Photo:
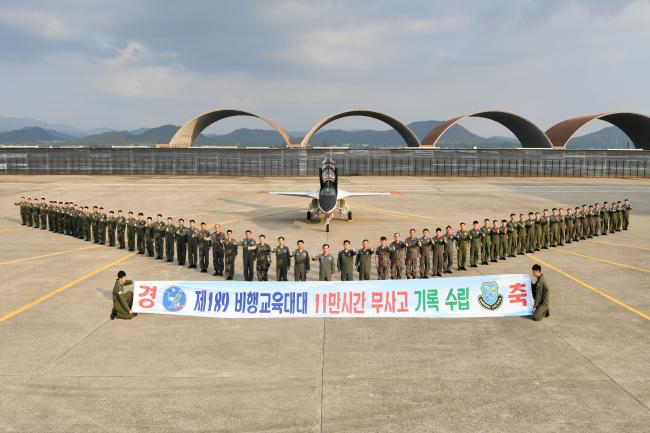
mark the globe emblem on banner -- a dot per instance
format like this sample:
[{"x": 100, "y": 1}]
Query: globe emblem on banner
[
  {"x": 490, "y": 299},
  {"x": 174, "y": 299}
]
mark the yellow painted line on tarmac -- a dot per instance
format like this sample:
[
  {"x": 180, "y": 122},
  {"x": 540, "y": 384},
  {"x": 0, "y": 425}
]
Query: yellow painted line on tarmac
[
  {"x": 57, "y": 253},
  {"x": 592, "y": 288},
  {"x": 618, "y": 245},
  {"x": 273, "y": 212},
  {"x": 609, "y": 262},
  {"x": 62, "y": 288},
  {"x": 405, "y": 215}
]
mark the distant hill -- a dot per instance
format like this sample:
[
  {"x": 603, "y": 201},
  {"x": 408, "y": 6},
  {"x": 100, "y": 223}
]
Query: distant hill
[
  {"x": 606, "y": 138},
  {"x": 456, "y": 136},
  {"x": 34, "y": 135}
]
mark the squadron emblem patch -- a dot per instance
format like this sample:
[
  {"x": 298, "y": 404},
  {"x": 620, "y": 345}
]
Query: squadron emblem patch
[{"x": 490, "y": 299}]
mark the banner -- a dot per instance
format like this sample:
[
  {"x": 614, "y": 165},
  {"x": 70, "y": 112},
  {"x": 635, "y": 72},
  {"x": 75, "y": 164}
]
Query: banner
[{"x": 481, "y": 296}]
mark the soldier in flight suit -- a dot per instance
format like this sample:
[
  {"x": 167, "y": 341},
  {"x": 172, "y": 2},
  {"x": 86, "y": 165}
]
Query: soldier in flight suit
[
  {"x": 383, "y": 258},
  {"x": 495, "y": 238},
  {"x": 158, "y": 229},
  {"x": 36, "y": 208},
  {"x": 569, "y": 220},
  {"x": 596, "y": 220},
  {"x": 364, "y": 260},
  {"x": 192, "y": 244},
  {"x": 412, "y": 261},
  {"x": 120, "y": 226},
  {"x": 486, "y": 242},
  {"x": 131, "y": 224},
  {"x": 503, "y": 240},
  {"x": 327, "y": 264},
  {"x": 426, "y": 254},
  {"x": 530, "y": 233},
  {"x": 282, "y": 260},
  {"x": 140, "y": 232},
  {"x": 263, "y": 258},
  {"x": 248, "y": 255},
  {"x": 512, "y": 236},
  {"x": 554, "y": 230},
  {"x": 627, "y": 209},
  {"x": 300, "y": 262},
  {"x": 546, "y": 232},
  {"x": 521, "y": 234},
  {"x": 542, "y": 295},
  {"x": 345, "y": 261},
  {"x": 462, "y": 237},
  {"x": 23, "y": 217},
  {"x": 474, "y": 245},
  {"x": 561, "y": 221},
  {"x": 397, "y": 256},
  {"x": 181, "y": 242},
  {"x": 449, "y": 250},
  {"x": 110, "y": 227},
  {"x": 94, "y": 220},
  {"x": 439, "y": 243},
  {"x": 101, "y": 226},
  {"x": 217, "y": 250},
  {"x": 170, "y": 235},
  {"x": 148, "y": 237},
  {"x": 204, "y": 248},
  {"x": 86, "y": 224},
  {"x": 230, "y": 253}
]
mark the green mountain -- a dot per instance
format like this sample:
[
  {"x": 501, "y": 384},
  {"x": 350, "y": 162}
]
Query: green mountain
[
  {"x": 34, "y": 135},
  {"x": 606, "y": 138}
]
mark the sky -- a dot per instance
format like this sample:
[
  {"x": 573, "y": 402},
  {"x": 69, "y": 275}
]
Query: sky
[{"x": 137, "y": 63}]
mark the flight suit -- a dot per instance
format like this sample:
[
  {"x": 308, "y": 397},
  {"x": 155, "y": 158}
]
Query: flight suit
[
  {"x": 345, "y": 263},
  {"x": 397, "y": 259},
  {"x": 604, "y": 220},
  {"x": 282, "y": 262},
  {"x": 474, "y": 246},
  {"x": 383, "y": 262},
  {"x": 587, "y": 224},
  {"x": 130, "y": 232},
  {"x": 449, "y": 252},
  {"x": 504, "y": 241},
  {"x": 561, "y": 221},
  {"x": 148, "y": 239},
  {"x": 158, "y": 231},
  {"x": 521, "y": 235},
  {"x": 170, "y": 240},
  {"x": 21, "y": 208},
  {"x": 139, "y": 230},
  {"x": 363, "y": 263},
  {"x": 512, "y": 237},
  {"x": 539, "y": 236},
  {"x": 110, "y": 226},
  {"x": 495, "y": 239},
  {"x": 580, "y": 229},
  {"x": 230, "y": 253},
  {"x": 612, "y": 219},
  {"x": 120, "y": 227},
  {"x": 554, "y": 230},
  {"x": 43, "y": 216},
  {"x": 300, "y": 265},
  {"x": 122, "y": 300},
  {"x": 36, "y": 209},
  {"x": 462, "y": 237},
  {"x": 204, "y": 250},
  {"x": 542, "y": 297},
  {"x": 181, "y": 245},
  {"x": 627, "y": 209},
  {"x": 595, "y": 231},
  {"x": 248, "y": 257},
  {"x": 426, "y": 255},
  {"x": 80, "y": 224},
  {"x": 545, "y": 232},
  {"x": 486, "y": 244},
  {"x": 192, "y": 246},
  {"x": 327, "y": 266},
  {"x": 263, "y": 259},
  {"x": 217, "y": 252},
  {"x": 439, "y": 244},
  {"x": 412, "y": 261}
]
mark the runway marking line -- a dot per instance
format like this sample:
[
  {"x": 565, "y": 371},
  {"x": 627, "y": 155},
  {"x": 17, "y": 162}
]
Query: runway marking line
[
  {"x": 396, "y": 212},
  {"x": 592, "y": 288},
  {"x": 57, "y": 253},
  {"x": 65, "y": 287},
  {"x": 622, "y": 265},
  {"x": 618, "y": 245}
]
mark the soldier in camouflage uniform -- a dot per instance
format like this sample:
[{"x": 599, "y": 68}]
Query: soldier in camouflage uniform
[
  {"x": 192, "y": 244},
  {"x": 120, "y": 227},
  {"x": 327, "y": 264},
  {"x": 426, "y": 254},
  {"x": 383, "y": 254},
  {"x": 217, "y": 250},
  {"x": 230, "y": 247},
  {"x": 439, "y": 243},
  {"x": 345, "y": 261},
  {"x": 627, "y": 209},
  {"x": 300, "y": 262},
  {"x": 364, "y": 260},
  {"x": 462, "y": 238},
  {"x": 181, "y": 242},
  {"x": 170, "y": 240},
  {"x": 412, "y": 261},
  {"x": 282, "y": 260},
  {"x": 474, "y": 244},
  {"x": 158, "y": 231},
  {"x": 262, "y": 258},
  {"x": 204, "y": 248},
  {"x": 397, "y": 257},
  {"x": 111, "y": 224}
]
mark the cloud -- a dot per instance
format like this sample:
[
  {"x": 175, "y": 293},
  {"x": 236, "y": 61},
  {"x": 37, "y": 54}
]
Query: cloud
[{"x": 39, "y": 24}]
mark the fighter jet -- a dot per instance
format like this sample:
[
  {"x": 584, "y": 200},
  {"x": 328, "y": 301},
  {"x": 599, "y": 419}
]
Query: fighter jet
[{"x": 328, "y": 200}]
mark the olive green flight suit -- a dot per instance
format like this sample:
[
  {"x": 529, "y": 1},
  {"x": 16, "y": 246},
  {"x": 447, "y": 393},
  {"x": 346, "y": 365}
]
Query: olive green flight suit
[
  {"x": 327, "y": 266},
  {"x": 282, "y": 262},
  {"x": 364, "y": 263},
  {"x": 439, "y": 244},
  {"x": 542, "y": 297},
  {"x": 122, "y": 300},
  {"x": 474, "y": 246},
  {"x": 486, "y": 244},
  {"x": 301, "y": 264},
  {"x": 345, "y": 264}
]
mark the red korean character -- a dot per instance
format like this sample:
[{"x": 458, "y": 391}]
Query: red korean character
[
  {"x": 518, "y": 294},
  {"x": 147, "y": 296}
]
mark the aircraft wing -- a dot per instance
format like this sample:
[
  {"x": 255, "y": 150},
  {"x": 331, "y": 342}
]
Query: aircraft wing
[
  {"x": 312, "y": 194},
  {"x": 345, "y": 194}
]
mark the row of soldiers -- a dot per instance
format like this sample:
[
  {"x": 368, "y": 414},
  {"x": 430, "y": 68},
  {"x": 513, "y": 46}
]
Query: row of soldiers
[{"x": 413, "y": 257}]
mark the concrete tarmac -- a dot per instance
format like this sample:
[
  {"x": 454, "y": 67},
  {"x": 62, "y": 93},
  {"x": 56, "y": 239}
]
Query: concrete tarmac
[{"x": 65, "y": 367}]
